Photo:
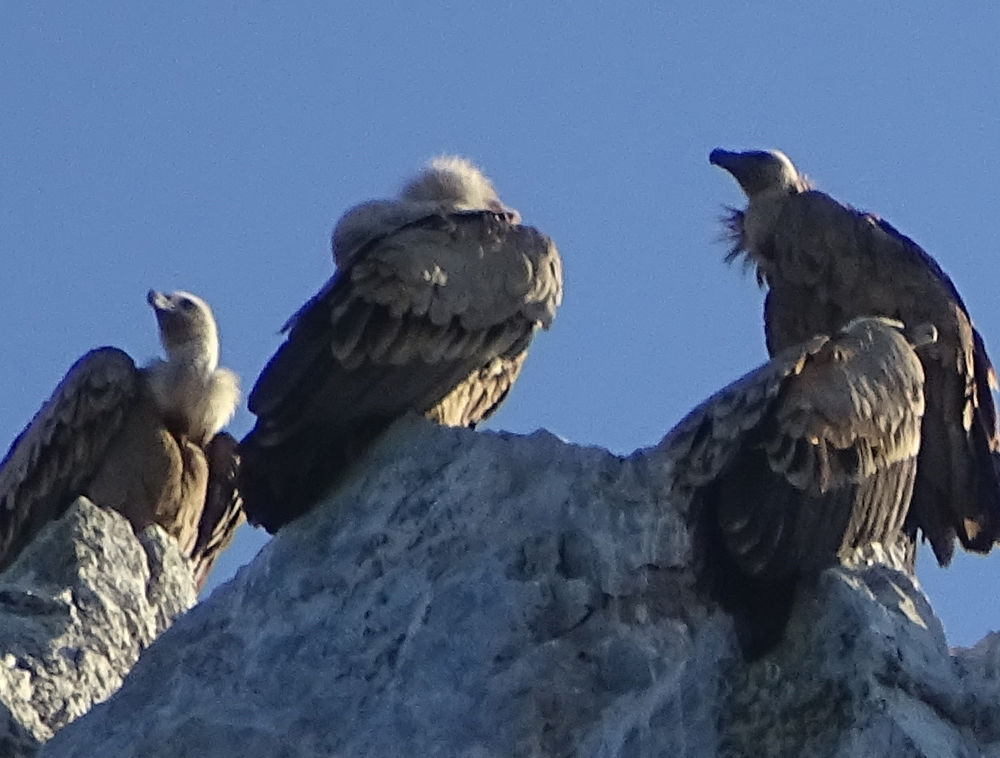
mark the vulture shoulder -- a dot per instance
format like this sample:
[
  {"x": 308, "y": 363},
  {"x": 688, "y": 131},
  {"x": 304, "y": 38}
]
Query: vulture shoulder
[
  {"x": 59, "y": 450},
  {"x": 418, "y": 312},
  {"x": 841, "y": 259}
]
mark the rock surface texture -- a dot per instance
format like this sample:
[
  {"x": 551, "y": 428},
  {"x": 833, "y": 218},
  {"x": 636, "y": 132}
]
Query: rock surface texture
[
  {"x": 479, "y": 595},
  {"x": 76, "y": 609}
]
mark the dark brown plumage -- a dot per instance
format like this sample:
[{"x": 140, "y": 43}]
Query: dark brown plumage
[
  {"x": 799, "y": 464},
  {"x": 435, "y": 301},
  {"x": 824, "y": 263},
  {"x": 144, "y": 442}
]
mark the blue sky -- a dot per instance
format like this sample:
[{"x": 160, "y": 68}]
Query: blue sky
[{"x": 212, "y": 149}]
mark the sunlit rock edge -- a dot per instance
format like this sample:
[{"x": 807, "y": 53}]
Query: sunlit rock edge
[{"x": 477, "y": 594}]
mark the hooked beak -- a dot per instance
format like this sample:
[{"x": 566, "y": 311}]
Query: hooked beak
[
  {"x": 158, "y": 300},
  {"x": 744, "y": 167},
  {"x": 722, "y": 158}
]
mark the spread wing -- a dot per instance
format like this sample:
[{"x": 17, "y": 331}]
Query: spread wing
[
  {"x": 433, "y": 318},
  {"x": 52, "y": 460},
  {"x": 799, "y": 463},
  {"x": 223, "y": 512},
  {"x": 708, "y": 439},
  {"x": 811, "y": 454},
  {"x": 831, "y": 263},
  {"x": 829, "y": 467}
]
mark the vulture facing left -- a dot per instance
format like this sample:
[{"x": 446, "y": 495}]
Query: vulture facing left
[
  {"x": 141, "y": 441},
  {"x": 825, "y": 263},
  {"x": 799, "y": 464},
  {"x": 436, "y": 297}
]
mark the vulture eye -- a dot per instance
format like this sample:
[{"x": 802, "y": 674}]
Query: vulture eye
[{"x": 187, "y": 304}]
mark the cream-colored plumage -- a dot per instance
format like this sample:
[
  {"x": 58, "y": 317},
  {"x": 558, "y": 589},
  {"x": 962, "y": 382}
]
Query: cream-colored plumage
[
  {"x": 435, "y": 300},
  {"x": 824, "y": 263},
  {"x": 800, "y": 463},
  {"x": 134, "y": 440}
]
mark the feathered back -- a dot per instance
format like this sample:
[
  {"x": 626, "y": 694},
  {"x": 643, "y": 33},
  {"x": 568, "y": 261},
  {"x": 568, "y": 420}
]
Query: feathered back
[{"x": 435, "y": 300}]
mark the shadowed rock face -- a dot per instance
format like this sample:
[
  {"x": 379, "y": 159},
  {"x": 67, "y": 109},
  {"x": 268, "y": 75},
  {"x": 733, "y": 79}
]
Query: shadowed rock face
[
  {"x": 473, "y": 594},
  {"x": 76, "y": 608}
]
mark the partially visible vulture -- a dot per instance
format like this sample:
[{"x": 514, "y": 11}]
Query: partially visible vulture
[
  {"x": 435, "y": 300},
  {"x": 799, "y": 464},
  {"x": 141, "y": 441},
  {"x": 823, "y": 264}
]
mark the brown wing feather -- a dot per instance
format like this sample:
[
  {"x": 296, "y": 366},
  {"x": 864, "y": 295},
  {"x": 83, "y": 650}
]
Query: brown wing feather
[
  {"x": 830, "y": 263},
  {"x": 707, "y": 440},
  {"x": 223, "y": 512},
  {"x": 419, "y": 312},
  {"x": 799, "y": 463},
  {"x": 437, "y": 312},
  {"x": 837, "y": 429},
  {"x": 52, "y": 460},
  {"x": 475, "y": 398},
  {"x": 150, "y": 475}
]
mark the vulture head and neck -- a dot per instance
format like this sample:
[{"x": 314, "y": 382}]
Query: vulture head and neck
[
  {"x": 448, "y": 184},
  {"x": 452, "y": 184},
  {"x": 196, "y": 396},
  {"x": 768, "y": 178}
]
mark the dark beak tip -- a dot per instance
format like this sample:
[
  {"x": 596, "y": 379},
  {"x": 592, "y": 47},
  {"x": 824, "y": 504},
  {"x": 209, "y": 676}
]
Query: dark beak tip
[
  {"x": 718, "y": 157},
  {"x": 155, "y": 299}
]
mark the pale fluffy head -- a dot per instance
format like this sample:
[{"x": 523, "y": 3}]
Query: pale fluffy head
[
  {"x": 448, "y": 184},
  {"x": 187, "y": 328},
  {"x": 189, "y": 386},
  {"x": 456, "y": 184}
]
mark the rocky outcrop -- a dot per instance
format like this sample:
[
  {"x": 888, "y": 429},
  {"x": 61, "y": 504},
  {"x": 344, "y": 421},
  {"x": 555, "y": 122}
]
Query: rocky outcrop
[
  {"x": 488, "y": 595},
  {"x": 76, "y": 608}
]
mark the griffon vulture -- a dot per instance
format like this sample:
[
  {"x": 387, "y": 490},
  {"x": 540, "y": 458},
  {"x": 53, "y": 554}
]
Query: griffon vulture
[
  {"x": 142, "y": 441},
  {"x": 799, "y": 464},
  {"x": 824, "y": 263},
  {"x": 435, "y": 300}
]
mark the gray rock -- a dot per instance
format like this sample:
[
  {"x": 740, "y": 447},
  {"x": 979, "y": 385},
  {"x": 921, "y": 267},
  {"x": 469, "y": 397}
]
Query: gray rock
[
  {"x": 76, "y": 608},
  {"x": 482, "y": 595}
]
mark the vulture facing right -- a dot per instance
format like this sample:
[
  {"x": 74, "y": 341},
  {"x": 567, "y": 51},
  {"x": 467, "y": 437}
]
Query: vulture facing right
[
  {"x": 823, "y": 264},
  {"x": 799, "y": 464}
]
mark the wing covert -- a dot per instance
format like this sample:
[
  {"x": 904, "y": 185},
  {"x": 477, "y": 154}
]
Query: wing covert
[
  {"x": 51, "y": 460},
  {"x": 421, "y": 310}
]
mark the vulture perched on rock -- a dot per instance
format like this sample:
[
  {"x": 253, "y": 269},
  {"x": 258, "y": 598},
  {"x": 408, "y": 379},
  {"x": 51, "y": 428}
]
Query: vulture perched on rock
[
  {"x": 141, "y": 441},
  {"x": 800, "y": 464},
  {"x": 824, "y": 263},
  {"x": 435, "y": 300}
]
